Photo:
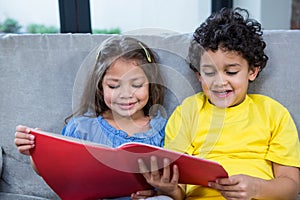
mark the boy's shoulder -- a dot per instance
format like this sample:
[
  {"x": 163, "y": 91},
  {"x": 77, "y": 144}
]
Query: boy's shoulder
[
  {"x": 196, "y": 98},
  {"x": 266, "y": 101},
  {"x": 262, "y": 98}
]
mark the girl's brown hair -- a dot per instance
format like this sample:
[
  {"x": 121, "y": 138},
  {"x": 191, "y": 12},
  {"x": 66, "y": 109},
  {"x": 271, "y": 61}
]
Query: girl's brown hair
[{"x": 92, "y": 103}]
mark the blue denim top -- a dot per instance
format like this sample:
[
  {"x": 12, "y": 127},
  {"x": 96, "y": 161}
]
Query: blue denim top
[{"x": 98, "y": 130}]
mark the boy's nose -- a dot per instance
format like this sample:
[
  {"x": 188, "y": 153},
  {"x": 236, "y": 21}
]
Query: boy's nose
[{"x": 220, "y": 80}]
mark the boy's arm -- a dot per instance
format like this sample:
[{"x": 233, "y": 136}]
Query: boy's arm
[{"x": 285, "y": 185}]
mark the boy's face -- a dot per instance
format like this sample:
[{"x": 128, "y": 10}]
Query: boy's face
[{"x": 225, "y": 76}]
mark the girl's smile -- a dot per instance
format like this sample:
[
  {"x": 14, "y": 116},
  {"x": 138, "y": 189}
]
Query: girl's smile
[{"x": 126, "y": 106}]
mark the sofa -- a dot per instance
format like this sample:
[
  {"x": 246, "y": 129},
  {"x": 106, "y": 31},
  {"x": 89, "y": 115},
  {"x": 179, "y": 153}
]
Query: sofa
[{"x": 41, "y": 75}]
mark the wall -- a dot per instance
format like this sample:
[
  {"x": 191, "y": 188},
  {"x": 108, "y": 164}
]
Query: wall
[
  {"x": 30, "y": 11},
  {"x": 273, "y": 14},
  {"x": 176, "y": 15}
]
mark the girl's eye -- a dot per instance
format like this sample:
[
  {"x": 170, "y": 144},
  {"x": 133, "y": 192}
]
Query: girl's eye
[
  {"x": 209, "y": 73},
  {"x": 137, "y": 85},
  {"x": 113, "y": 86}
]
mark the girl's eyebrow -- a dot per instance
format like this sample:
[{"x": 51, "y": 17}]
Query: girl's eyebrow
[
  {"x": 139, "y": 78},
  {"x": 207, "y": 65},
  {"x": 113, "y": 79}
]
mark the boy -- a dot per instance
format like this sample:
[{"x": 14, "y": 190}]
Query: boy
[{"x": 251, "y": 135}]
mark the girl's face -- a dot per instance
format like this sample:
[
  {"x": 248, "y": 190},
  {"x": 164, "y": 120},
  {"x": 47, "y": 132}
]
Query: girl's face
[
  {"x": 125, "y": 88},
  {"x": 225, "y": 76}
]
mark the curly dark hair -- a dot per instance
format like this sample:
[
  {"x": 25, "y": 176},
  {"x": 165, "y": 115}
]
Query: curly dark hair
[{"x": 229, "y": 30}]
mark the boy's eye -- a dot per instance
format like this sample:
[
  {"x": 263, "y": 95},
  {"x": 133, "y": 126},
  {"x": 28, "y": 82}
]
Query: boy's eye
[{"x": 232, "y": 72}]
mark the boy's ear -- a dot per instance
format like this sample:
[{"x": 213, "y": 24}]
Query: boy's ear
[
  {"x": 253, "y": 73},
  {"x": 198, "y": 76}
]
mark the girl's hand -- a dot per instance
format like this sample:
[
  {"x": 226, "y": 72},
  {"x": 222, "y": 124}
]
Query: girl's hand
[
  {"x": 143, "y": 194},
  {"x": 164, "y": 183},
  {"x": 23, "y": 140},
  {"x": 236, "y": 187}
]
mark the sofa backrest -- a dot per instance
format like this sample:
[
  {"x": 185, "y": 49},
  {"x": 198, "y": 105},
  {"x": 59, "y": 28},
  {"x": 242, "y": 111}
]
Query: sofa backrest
[{"x": 38, "y": 72}]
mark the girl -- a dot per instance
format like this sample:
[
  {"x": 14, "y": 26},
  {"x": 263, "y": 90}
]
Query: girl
[{"x": 119, "y": 101}]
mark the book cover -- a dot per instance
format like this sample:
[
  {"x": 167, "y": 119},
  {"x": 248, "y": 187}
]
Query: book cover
[{"x": 78, "y": 169}]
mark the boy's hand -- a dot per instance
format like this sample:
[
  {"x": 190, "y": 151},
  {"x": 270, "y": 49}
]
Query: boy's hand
[
  {"x": 164, "y": 183},
  {"x": 236, "y": 187},
  {"x": 23, "y": 140}
]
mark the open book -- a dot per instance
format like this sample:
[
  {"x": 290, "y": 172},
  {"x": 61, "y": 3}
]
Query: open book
[{"x": 77, "y": 169}]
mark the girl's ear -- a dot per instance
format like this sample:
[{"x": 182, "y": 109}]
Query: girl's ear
[{"x": 253, "y": 73}]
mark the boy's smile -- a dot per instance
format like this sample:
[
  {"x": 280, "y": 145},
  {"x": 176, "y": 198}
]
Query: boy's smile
[{"x": 225, "y": 76}]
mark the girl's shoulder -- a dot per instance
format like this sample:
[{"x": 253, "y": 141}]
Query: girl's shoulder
[
  {"x": 79, "y": 122},
  {"x": 82, "y": 119},
  {"x": 158, "y": 122}
]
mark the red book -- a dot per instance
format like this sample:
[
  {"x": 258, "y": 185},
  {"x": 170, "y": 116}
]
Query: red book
[{"x": 78, "y": 169}]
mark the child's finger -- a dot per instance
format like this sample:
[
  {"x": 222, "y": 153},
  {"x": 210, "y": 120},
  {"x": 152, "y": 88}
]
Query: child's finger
[
  {"x": 21, "y": 128},
  {"x": 166, "y": 172},
  {"x": 22, "y": 135},
  {"x": 144, "y": 194},
  {"x": 143, "y": 168},
  {"x": 154, "y": 168},
  {"x": 22, "y": 141},
  {"x": 175, "y": 176},
  {"x": 24, "y": 149}
]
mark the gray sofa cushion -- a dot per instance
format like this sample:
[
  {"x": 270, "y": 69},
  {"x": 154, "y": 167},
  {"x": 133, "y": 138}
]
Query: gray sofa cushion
[{"x": 1, "y": 160}]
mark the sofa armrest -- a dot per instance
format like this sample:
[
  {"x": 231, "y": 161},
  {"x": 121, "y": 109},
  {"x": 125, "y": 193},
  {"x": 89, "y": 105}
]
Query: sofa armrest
[{"x": 9, "y": 196}]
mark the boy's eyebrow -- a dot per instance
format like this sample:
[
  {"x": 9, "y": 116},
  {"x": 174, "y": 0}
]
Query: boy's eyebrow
[
  {"x": 132, "y": 79},
  {"x": 233, "y": 64},
  {"x": 227, "y": 65}
]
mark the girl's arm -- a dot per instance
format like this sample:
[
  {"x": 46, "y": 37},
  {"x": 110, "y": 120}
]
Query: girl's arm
[
  {"x": 24, "y": 142},
  {"x": 285, "y": 185}
]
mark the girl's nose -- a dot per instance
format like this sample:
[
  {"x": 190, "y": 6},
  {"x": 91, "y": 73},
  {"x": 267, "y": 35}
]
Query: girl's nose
[{"x": 126, "y": 92}]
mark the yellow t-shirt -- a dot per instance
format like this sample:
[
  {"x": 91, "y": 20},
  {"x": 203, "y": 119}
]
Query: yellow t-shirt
[{"x": 245, "y": 139}]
